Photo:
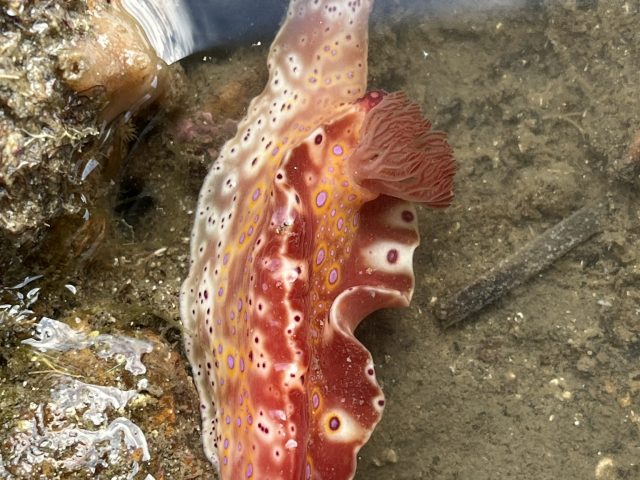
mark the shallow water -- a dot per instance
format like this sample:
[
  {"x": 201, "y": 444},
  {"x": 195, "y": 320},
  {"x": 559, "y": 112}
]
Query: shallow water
[{"x": 539, "y": 103}]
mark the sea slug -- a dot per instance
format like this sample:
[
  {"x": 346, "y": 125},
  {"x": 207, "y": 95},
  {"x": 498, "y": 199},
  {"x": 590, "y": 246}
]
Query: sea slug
[{"x": 303, "y": 227}]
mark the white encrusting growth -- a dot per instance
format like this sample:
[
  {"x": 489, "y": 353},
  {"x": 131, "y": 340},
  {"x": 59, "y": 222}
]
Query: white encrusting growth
[
  {"x": 58, "y": 336},
  {"x": 72, "y": 396},
  {"x": 72, "y": 431}
]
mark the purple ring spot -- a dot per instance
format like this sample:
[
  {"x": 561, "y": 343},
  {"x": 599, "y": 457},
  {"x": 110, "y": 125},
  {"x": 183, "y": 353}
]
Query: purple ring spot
[
  {"x": 340, "y": 222},
  {"x": 334, "y": 423},
  {"x": 250, "y": 470},
  {"x": 230, "y": 361},
  {"x": 227, "y": 420},
  {"x": 333, "y": 276},
  {"x": 333, "y": 212},
  {"x": 249, "y": 419},
  {"x": 242, "y": 237},
  {"x": 275, "y": 151},
  {"x": 256, "y": 194},
  {"x": 407, "y": 216},
  {"x": 321, "y": 198},
  {"x": 242, "y": 365},
  {"x": 392, "y": 256},
  {"x": 226, "y": 443},
  {"x": 220, "y": 348},
  {"x": 225, "y": 259},
  {"x": 316, "y": 400},
  {"x": 320, "y": 256},
  {"x": 337, "y": 150},
  {"x": 250, "y": 231},
  {"x": 220, "y": 291},
  {"x": 224, "y": 460},
  {"x": 238, "y": 422}
]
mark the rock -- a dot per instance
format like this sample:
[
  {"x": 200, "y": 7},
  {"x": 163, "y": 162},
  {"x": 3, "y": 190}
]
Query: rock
[
  {"x": 54, "y": 137},
  {"x": 586, "y": 364}
]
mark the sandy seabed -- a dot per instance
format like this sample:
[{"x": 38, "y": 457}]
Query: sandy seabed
[{"x": 540, "y": 103}]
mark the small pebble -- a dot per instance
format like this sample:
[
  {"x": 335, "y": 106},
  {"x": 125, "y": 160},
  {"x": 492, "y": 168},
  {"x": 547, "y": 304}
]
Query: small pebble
[
  {"x": 606, "y": 470},
  {"x": 387, "y": 456},
  {"x": 586, "y": 364}
]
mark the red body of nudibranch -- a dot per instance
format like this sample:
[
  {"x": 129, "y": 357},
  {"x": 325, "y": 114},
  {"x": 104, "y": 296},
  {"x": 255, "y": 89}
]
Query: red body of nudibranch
[{"x": 304, "y": 227}]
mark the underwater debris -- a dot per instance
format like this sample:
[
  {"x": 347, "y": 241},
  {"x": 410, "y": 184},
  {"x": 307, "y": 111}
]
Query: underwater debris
[
  {"x": 627, "y": 168},
  {"x": 531, "y": 259},
  {"x": 54, "y": 335}
]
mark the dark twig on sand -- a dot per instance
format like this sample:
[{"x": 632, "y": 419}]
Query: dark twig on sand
[{"x": 518, "y": 268}]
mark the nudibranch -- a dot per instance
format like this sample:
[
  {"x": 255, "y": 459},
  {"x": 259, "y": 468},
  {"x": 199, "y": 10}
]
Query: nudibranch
[
  {"x": 114, "y": 58},
  {"x": 304, "y": 226}
]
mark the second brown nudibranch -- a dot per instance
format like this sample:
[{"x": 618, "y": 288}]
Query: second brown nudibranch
[{"x": 113, "y": 59}]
